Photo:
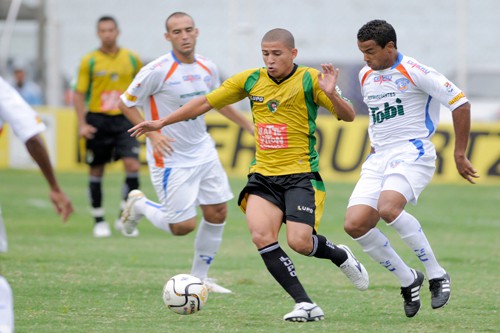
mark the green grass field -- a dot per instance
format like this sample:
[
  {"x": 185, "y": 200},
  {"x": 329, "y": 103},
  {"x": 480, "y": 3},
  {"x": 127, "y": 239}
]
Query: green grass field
[{"x": 64, "y": 280}]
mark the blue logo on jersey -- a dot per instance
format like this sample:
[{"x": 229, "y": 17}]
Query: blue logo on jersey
[{"x": 402, "y": 84}]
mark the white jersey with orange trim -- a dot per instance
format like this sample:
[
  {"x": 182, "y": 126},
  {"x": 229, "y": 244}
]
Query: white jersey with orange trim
[
  {"x": 404, "y": 101},
  {"x": 160, "y": 88},
  {"x": 22, "y": 119}
]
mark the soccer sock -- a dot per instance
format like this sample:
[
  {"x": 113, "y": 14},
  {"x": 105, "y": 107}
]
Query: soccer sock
[
  {"x": 154, "y": 213},
  {"x": 377, "y": 246},
  {"x": 324, "y": 249},
  {"x": 3, "y": 235},
  {"x": 282, "y": 269},
  {"x": 131, "y": 183},
  {"x": 206, "y": 244},
  {"x": 412, "y": 234},
  {"x": 6, "y": 307},
  {"x": 95, "y": 194}
]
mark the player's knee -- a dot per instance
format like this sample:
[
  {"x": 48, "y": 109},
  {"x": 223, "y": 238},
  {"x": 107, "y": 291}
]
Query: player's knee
[
  {"x": 302, "y": 245},
  {"x": 354, "y": 227},
  {"x": 389, "y": 212},
  {"x": 216, "y": 215},
  {"x": 183, "y": 228}
]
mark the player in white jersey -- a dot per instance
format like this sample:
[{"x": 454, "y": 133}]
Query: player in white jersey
[
  {"x": 27, "y": 126},
  {"x": 403, "y": 98},
  {"x": 183, "y": 162}
]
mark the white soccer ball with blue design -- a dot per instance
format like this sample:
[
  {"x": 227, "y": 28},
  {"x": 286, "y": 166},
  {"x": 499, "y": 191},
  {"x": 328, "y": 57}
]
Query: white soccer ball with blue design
[{"x": 185, "y": 294}]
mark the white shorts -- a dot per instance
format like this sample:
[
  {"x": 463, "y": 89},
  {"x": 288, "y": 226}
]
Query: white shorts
[
  {"x": 181, "y": 190},
  {"x": 406, "y": 168}
]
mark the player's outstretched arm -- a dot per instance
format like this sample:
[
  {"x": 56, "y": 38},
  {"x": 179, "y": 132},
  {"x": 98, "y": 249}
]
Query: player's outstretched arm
[
  {"x": 190, "y": 110},
  {"x": 327, "y": 81},
  {"x": 461, "y": 126},
  {"x": 238, "y": 117},
  {"x": 60, "y": 200}
]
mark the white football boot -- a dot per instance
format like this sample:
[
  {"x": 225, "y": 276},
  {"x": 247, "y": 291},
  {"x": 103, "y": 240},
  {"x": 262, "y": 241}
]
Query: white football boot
[
  {"x": 304, "y": 311},
  {"x": 354, "y": 270}
]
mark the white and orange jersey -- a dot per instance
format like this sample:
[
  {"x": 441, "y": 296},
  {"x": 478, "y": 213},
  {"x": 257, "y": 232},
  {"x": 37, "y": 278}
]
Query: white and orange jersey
[
  {"x": 22, "y": 119},
  {"x": 160, "y": 88},
  {"x": 404, "y": 100}
]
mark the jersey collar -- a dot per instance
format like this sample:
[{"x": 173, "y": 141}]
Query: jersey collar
[
  {"x": 295, "y": 66},
  {"x": 398, "y": 61}
]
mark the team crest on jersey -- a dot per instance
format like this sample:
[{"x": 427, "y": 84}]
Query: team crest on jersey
[
  {"x": 402, "y": 84},
  {"x": 208, "y": 81},
  {"x": 273, "y": 105}
]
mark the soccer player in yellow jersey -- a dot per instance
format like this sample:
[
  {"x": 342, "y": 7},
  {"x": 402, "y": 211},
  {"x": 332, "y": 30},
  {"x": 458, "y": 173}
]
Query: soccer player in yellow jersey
[
  {"x": 103, "y": 76},
  {"x": 284, "y": 185}
]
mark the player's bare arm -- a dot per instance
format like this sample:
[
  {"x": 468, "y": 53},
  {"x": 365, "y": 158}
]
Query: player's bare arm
[
  {"x": 192, "y": 109},
  {"x": 159, "y": 142},
  {"x": 327, "y": 81},
  {"x": 237, "y": 117},
  {"x": 84, "y": 130},
  {"x": 38, "y": 152},
  {"x": 461, "y": 125}
]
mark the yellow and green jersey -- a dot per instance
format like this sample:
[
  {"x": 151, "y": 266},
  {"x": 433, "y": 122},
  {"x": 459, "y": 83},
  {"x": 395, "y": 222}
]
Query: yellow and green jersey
[
  {"x": 284, "y": 115},
  {"x": 104, "y": 77}
]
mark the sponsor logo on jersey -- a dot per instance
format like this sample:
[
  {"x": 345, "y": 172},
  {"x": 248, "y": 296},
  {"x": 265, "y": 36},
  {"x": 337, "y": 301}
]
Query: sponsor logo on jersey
[
  {"x": 456, "y": 98},
  {"x": 389, "y": 112},
  {"x": 191, "y": 77},
  {"x": 402, "y": 84},
  {"x": 257, "y": 99},
  {"x": 449, "y": 87},
  {"x": 173, "y": 83},
  {"x": 305, "y": 209},
  {"x": 130, "y": 97},
  {"x": 382, "y": 78},
  {"x": 114, "y": 77},
  {"x": 380, "y": 96},
  {"x": 100, "y": 73},
  {"x": 272, "y": 136},
  {"x": 273, "y": 105},
  {"x": 421, "y": 68}
]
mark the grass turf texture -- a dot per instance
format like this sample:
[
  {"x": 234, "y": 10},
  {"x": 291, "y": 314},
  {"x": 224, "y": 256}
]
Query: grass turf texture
[{"x": 64, "y": 280}]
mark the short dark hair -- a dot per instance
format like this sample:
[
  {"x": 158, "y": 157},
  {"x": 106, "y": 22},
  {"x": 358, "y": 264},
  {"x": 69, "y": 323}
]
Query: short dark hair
[
  {"x": 379, "y": 31},
  {"x": 177, "y": 14},
  {"x": 107, "y": 18},
  {"x": 281, "y": 35}
]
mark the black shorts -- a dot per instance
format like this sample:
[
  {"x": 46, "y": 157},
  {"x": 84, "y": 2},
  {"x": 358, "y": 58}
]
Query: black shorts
[
  {"x": 300, "y": 197},
  {"x": 111, "y": 141}
]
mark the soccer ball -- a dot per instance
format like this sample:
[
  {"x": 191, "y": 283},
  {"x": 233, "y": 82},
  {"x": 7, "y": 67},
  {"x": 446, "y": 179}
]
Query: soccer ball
[{"x": 185, "y": 294}]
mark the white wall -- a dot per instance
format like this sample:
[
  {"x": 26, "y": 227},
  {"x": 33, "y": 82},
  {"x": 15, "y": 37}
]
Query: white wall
[{"x": 325, "y": 30}]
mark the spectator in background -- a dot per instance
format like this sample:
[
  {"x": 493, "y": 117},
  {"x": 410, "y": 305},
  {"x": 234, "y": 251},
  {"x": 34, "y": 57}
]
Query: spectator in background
[
  {"x": 103, "y": 76},
  {"x": 29, "y": 90}
]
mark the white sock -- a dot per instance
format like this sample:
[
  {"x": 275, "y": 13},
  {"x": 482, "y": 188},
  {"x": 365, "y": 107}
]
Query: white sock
[
  {"x": 412, "y": 234},
  {"x": 6, "y": 307},
  {"x": 3, "y": 235},
  {"x": 206, "y": 244},
  {"x": 377, "y": 246},
  {"x": 153, "y": 212}
]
